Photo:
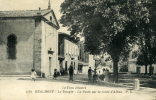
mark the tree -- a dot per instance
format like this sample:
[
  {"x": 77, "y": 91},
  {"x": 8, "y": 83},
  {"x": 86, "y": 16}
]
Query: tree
[
  {"x": 142, "y": 60},
  {"x": 147, "y": 41},
  {"x": 108, "y": 25},
  {"x": 147, "y": 55}
]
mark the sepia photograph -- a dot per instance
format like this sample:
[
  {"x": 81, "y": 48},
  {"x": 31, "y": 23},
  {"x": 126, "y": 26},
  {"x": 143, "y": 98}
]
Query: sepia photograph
[{"x": 78, "y": 50}]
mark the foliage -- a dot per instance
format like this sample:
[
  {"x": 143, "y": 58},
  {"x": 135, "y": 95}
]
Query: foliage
[
  {"x": 124, "y": 68},
  {"x": 102, "y": 20},
  {"x": 108, "y": 25}
]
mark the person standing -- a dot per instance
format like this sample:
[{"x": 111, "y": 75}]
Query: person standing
[
  {"x": 71, "y": 72},
  {"x": 95, "y": 76},
  {"x": 55, "y": 74},
  {"x": 89, "y": 73}
]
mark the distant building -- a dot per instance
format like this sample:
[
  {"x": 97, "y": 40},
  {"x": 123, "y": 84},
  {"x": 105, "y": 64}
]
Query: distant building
[
  {"x": 68, "y": 53},
  {"x": 134, "y": 68},
  {"x": 28, "y": 39}
]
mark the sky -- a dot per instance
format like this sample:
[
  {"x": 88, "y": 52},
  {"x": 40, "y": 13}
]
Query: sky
[{"x": 6, "y": 5}]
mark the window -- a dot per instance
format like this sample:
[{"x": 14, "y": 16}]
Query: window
[
  {"x": 80, "y": 67},
  {"x": 66, "y": 66},
  {"x": 11, "y": 46},
  {"x": 50, "y": 18}
]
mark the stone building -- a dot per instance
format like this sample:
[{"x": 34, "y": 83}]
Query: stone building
[
  {"x": 28, "y": 39},
  {"x": 68, "y": 53}
]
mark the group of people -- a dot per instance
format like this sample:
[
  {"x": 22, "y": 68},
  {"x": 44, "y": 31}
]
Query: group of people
[
  {"x": 55, "y": 75},
  {"x": 92, "y": 74},
  {"x": 71, "y": 73},
  {"x": 34, "y": 74},
  {"x": 95, "y": 76}
]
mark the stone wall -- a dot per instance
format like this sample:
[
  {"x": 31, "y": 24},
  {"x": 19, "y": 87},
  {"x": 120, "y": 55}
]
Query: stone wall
[
  {"x": 37, "y": 46},
  {"x": 49, "y": 42},
  {"x": 23, "y": 29}
]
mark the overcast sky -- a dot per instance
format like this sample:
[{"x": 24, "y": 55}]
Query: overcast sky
[{"x": 32, "y": 5}]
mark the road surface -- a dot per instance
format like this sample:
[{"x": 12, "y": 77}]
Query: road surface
[{"x": 17, "y": 89}]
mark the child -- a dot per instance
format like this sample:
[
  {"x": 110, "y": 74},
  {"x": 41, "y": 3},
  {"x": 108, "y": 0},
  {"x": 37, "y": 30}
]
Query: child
[
  {"x": 55, "y": 74},
  {"x": 33, "y": 74}
]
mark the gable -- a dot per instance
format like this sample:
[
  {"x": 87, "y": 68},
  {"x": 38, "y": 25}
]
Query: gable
[{"x": 51, "y": 18}]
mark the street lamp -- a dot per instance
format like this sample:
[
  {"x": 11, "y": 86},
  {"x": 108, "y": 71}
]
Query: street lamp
[{"x": 50, "y": 52}]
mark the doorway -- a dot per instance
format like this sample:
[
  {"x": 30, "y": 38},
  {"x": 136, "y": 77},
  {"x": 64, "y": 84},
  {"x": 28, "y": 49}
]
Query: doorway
[
  {"x": 49, "y": 65},
  {"x": 138, "y": 70}
]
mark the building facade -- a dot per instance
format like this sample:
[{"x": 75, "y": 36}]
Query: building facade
[
  {"x": 68, "y": 53},
  {"x": 28, "y": 39}
]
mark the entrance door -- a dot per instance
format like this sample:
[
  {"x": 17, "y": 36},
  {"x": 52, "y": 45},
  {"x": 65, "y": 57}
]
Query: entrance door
[
  {"x": 49, "y": 65},
  {"x": 138, "y": 70}
]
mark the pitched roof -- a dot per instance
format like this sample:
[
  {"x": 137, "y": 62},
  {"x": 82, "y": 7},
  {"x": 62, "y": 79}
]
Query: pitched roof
[
  {"x": 29, "y": 13},
  {"x": 24, "y": 13}
]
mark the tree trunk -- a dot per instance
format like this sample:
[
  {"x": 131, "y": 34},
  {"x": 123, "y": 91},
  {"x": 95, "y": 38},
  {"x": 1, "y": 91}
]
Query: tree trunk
[
  {"x": 145, "y": 69},
  {"x": 150, "y": 70},
  {"x": 115, "y": 71}
]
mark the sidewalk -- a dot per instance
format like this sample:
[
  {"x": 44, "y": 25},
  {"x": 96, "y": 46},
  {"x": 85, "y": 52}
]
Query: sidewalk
[{"x": 25, "y": 89}]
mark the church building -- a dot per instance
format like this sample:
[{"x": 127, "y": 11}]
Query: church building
[{"x": 28, "y": 40}]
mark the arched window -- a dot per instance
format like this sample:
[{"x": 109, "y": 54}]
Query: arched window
[{"x": 11, "y": 46}]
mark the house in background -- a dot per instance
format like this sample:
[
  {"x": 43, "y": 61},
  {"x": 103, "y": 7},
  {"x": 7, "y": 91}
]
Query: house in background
[
  {"x": 134, "y": 68},
  {"x": 68, "y": 51},
  {"x": 28, "y": 39}
]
